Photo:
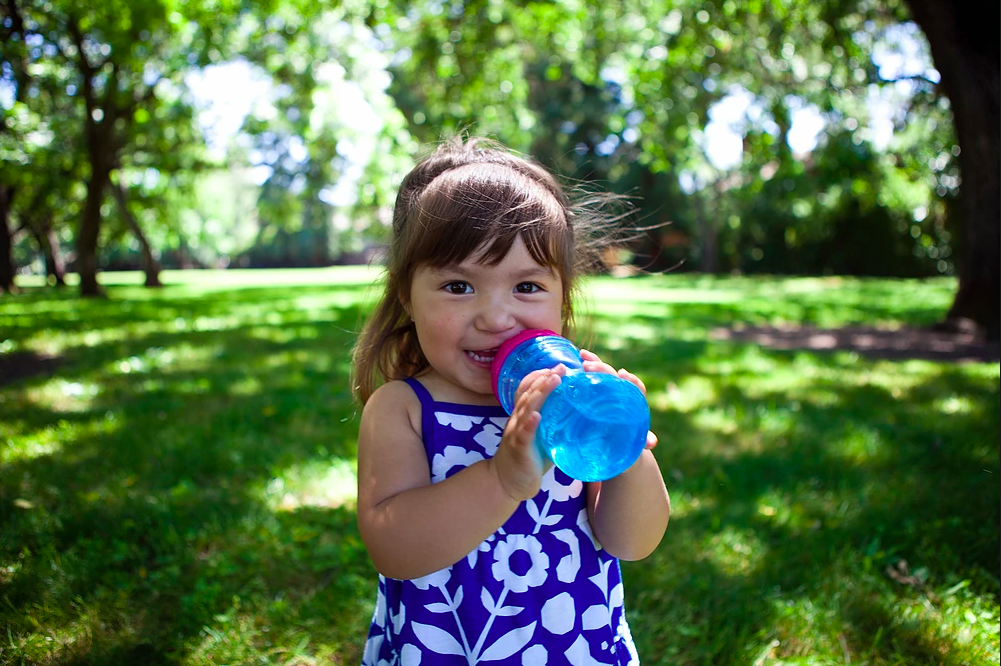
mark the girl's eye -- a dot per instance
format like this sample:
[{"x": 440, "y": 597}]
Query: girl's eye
[
  {"x": 458, "y": 287},
  {"x": 527, "y": 288}
]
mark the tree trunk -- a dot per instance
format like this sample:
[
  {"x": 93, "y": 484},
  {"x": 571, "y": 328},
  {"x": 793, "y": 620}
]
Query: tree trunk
[
  {"x": 6, "y": 261},
  {"x": 48, "y": 243},
  {"x": 707, "y": 234},
  {"x": 90, "y": 230},
  {"x": 964, "y": 45},
  {"x": 649, "y": 249},
  {"x": 100, "y": 137},
  {"x": 150, "y": 265}
]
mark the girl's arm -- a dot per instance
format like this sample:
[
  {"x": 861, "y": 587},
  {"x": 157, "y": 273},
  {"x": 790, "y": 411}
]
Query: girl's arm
[
  {"x": 411, "y": 527},
  {"x": 629, "y": 513}
]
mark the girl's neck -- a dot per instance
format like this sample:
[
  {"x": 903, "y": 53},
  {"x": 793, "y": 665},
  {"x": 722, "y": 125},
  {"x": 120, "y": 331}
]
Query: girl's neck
[{"x": 444, "y": 391}]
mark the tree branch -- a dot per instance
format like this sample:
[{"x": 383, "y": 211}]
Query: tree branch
[
  {"x": 21, "y": 75},
  {"x": 73, "y": 27},
  {"x": 911, "y": 77}
]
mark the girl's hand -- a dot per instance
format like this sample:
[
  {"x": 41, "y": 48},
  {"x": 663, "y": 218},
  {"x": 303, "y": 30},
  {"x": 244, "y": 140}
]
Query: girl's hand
[
  {"x": 592, "y": 363},
  {"x": 518, "y": 465}
]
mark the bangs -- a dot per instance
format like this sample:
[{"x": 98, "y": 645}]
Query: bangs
[{"x": 479, "y": 210}]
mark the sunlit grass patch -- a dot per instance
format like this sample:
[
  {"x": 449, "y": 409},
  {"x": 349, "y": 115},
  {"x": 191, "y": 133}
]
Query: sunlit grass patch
[
  {"x": 46, "y": 442},
  {"x": 65, "y": 396},
  {"x": 317, "y": 484},
  {"x": 953, "y": 404},
  {"x": 864, "y": 444},
  {"x": 735, "y": 551},
  {"x": 685, "y": 395},
  {"x": 685, "y": 503}
]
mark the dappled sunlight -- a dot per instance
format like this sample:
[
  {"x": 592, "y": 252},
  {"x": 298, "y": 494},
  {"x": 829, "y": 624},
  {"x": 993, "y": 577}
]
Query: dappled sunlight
[
  {"x": 817, "y": 457},
  {"x": 13, "y": 308},
  {"x": 60, "y": 395},
  {"x": 142, "y": 468},
  {"x": 318, "y": 303},
  {"x": 684, "y": 503},
  {"x": 788, "y": 641},
  {"x": 82, "y": 631},
  {"x": 267, "y": 583},
  {"x": 721, "y": 420},
  {"x": 954, "y": 404},
  {"x": 282, "y": 334},
  {"x": 863, "y": 444},
  {"x": 245, "y": 386},
  {"x": 681, "y": 302},
  {"x": 234, "y": 637},
  {"x": 952, "y": 627},
  {"x": 806, "y": 508},
  {"x": 626, "y": 334},
  {"x": 655, "y": 301},
  {"x": 204, "y": 282},
  {"x": 736, "y": 551},
  {"x": 778, "y": 423},
  {"x": 687, "y": 395},
  {"x": 316, "y": 483},
  {"x": 204, "y": 323},
  {"x": 45, "y": 443},
  {"x": 195, "y": 489},
  {"x": 615, "y": 335}
]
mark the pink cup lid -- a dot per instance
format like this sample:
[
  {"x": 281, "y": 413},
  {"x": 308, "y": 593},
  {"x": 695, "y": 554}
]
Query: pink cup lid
[{"x": 508, "y": 347}]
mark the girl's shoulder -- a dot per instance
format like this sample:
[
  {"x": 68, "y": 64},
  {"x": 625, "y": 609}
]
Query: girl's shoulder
[
  {"x": 412, "y": 401},
  {"x": 394, "y": 402},
  {"x": 395, "y": 389}
]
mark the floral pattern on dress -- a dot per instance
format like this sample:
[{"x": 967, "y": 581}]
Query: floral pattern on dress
[{"x": 540, "y": 591}]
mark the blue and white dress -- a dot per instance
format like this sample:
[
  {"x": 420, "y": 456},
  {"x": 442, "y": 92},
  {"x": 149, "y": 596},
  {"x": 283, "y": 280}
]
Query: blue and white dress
[{"x": 540, "y": 591}]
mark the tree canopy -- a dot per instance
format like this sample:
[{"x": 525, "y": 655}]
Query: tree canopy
[{"x": 631, "y": 96}]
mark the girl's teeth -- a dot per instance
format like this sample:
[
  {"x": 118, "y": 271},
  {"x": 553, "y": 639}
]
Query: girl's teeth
[{"x": 484, "y": 357}]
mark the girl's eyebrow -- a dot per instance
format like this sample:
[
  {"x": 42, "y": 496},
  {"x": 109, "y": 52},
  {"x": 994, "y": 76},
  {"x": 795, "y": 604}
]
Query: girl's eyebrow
[
  {"x": 451, "y": 271},
  {"x": 522, "y": 274},
  {"x": 536, "y": 272}
]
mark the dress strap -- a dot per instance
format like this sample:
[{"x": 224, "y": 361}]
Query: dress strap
[{"x": 427, "y": 414}]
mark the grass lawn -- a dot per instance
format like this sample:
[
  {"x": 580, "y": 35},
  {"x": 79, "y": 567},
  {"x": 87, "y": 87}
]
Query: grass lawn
[{"x": 178, "y": 485}]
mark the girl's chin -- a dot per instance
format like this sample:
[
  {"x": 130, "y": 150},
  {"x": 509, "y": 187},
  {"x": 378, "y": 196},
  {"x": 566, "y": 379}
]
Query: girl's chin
[{"x": 481, "y": 389}]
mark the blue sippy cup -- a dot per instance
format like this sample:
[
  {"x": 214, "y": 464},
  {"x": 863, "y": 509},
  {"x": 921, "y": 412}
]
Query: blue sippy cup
[{"x": 594, "y": 425}]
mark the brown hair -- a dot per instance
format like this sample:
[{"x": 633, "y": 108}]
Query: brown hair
[{"x": 468, "y": 197}]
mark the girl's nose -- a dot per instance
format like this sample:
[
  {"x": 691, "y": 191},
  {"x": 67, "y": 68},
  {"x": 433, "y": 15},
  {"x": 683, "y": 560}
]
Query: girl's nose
[{"x": 494, "y": 317}]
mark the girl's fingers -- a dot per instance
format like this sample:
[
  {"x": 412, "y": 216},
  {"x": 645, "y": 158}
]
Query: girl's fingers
[
  {"x": 592, "y": 363},
  {"x": 651, "y": 439},
  {"x": 518, "y": 462},
  {"x": 533, "y": 391},
  {"x": 536, "y": 387},
  {"x": 533, "y": 378},
  {"x": 598, "y": 366},
  {"x": 632, "y": 379}
]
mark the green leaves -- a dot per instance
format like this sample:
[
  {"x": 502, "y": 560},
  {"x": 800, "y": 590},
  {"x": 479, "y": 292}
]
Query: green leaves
[{"x": 622, "y": 94}]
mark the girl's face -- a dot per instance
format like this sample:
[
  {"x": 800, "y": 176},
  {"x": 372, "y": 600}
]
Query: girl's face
[{"x": 463, "y": 313}]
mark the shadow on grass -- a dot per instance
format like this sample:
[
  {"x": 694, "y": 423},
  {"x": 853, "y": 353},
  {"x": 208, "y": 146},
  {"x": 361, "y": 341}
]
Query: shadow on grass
[
  {"x": 151, "y": 531},
  {"x": 142, "y": 527},
  {"x": 800, "y": 498}
]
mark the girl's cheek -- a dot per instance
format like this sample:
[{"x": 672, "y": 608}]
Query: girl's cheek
[
  {"x": 552, "y": 316},
  {"x": 440, "y": 325}
]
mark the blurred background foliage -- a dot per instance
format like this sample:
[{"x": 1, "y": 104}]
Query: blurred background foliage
[{"x": 795, "y": 137}]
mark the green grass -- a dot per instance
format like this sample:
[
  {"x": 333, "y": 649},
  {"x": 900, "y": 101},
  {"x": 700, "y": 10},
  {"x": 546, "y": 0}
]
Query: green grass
[{"x": 179, "y": 488}]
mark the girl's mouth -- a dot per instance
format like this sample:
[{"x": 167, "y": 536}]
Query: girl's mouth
[{"x": 485, "y": 356}]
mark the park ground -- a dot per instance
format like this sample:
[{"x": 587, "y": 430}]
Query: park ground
[{"x": 177, "y": 470}]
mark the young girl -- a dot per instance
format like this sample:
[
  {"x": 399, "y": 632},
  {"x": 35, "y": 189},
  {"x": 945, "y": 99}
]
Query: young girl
[{"x": 485, "y": 554}]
